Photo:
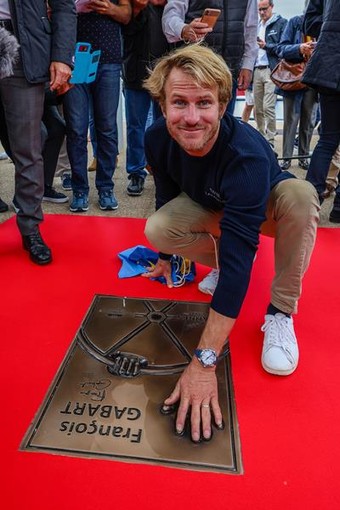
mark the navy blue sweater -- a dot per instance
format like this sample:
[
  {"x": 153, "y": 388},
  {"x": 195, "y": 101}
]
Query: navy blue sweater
[{"x": 236, "y": 176}]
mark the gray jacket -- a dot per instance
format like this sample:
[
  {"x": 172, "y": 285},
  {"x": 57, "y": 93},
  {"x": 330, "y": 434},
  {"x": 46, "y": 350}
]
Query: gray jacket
[{"x": 42, "y": 40}]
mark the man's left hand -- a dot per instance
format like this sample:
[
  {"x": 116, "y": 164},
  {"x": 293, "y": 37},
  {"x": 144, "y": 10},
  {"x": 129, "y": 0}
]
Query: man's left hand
[
  {"x": 162, "y": 268},
  {"x": 196, "y": 389},
  {"x": 244, "y": 79},
  {"x": 60, "y": 73}
]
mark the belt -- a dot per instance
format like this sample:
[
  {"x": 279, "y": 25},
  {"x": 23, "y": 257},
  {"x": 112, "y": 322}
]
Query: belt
[
  {"x": 7, "y": 24},
  {"x": 261, "y": 67}
]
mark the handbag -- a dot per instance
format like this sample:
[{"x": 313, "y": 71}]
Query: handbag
[{"x": 287, "y": 75}]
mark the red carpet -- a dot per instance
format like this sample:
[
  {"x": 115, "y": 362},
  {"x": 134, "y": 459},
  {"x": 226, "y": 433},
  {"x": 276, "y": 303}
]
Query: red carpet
[{"x": 289, "y": 427}]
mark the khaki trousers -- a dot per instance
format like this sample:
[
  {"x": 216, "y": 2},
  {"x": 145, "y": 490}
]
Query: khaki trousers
[
  {"x": 185, "y": 228},
  {"x": 264, "y": 101}
]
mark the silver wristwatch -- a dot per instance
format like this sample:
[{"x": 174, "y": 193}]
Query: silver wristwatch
[{"x": 207, "y": 357}]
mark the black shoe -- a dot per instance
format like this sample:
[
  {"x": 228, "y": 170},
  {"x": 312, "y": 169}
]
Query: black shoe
[
  {"x": 136, "y": 186},
  {"x": 285, "y": 164},
  {"x": 303, "y": 163},
  {"x": 51, "y": 195},
  {"x": 3, "y": 206},
  {"x": 39, "y": 252},
  {"x": 334, "y": 216}
]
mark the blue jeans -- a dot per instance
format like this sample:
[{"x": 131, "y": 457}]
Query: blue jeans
[
  {"x": 104, "y": 92},
  {"x": 327, "y": 144},
  {"x": 137, "y": 111}
]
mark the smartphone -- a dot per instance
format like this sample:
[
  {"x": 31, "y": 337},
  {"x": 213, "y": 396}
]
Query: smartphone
[{"x": 210, "y": 16}]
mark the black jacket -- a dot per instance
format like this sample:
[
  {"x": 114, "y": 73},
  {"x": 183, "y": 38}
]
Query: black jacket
[
  {"x": 143, "y": 43},
  {"x": 322, "y": 21},
  {"x": 41, "y": 40}
]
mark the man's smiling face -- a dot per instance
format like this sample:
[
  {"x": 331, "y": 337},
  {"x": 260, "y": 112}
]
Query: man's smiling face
[{"x": 192, "y": 113}]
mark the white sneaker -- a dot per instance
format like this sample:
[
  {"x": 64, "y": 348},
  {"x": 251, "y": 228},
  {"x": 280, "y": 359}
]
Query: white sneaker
[
  {"x": 280, "y": 353},
  {"x": 209, "y": 283}
]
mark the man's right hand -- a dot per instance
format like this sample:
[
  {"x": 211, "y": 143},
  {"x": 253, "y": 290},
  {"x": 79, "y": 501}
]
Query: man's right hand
[
  {"x": 195, "y": 31},
  {"x": 162, "y": 268},
  {"x": 197, "y": 394}
]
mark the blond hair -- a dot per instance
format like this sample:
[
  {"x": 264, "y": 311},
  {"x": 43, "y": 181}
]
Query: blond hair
[{"x": 200, "y": 62}]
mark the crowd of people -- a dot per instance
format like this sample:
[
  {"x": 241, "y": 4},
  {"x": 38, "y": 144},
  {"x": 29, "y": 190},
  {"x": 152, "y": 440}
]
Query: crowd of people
[{"x": 218, "y": 181}]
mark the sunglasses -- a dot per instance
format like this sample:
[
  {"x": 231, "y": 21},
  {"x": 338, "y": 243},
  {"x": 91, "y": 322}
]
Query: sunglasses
[{"x": 264, "y": 8}]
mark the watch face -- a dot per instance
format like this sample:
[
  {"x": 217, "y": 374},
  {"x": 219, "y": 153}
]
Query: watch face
[{"x": 208, "y": 357}]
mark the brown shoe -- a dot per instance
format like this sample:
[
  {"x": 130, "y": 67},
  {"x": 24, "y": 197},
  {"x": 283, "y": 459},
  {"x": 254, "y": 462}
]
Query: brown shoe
[{"x": 93, "y": 165}]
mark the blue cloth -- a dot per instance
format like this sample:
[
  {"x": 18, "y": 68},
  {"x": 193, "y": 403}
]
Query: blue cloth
[{"x": 137, "y": 260}]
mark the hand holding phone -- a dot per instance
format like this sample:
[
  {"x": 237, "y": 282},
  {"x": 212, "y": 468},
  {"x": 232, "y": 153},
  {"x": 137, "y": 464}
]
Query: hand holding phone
[{"x": 210, "y": 16}]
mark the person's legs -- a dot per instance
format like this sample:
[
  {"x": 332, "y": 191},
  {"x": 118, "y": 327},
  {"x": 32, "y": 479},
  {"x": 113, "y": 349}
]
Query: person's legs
[
  {"x": 4, "y": 132},
  {"x": 232, "y": 102},
  {"x": 258, "y": 92},
  {"x": 63, "y": 169},
  {"x": 23, "y": 107},
  {"x": 307, "y": 121},
  {"x": 105, "y": 94},
  {"x": 137, "y": 107},
  {"x": 55, "y": 126},
  {"x": 76, "y": 113},
  {"x": 290, "y": 122},
  {"x": 327, "y": 143},
  {"x": 269, "y": 102},
  {"x": 92, "y": 130},
  {"x": 292, "y": 218},
  {"x": 185, "y": 228},
  {"x": 139, "y": 114},
  {"x": 248, "y": 106},
  {"x": 5, "y": 143}
]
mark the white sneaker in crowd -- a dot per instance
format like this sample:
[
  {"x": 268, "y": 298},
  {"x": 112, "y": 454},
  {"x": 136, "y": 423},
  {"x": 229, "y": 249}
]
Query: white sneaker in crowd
[
  {"x": 209, "y": 283},
  {"x": 280, "y": 353}
]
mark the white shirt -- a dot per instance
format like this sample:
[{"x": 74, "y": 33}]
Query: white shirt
[{"x": 173, "y": 23}]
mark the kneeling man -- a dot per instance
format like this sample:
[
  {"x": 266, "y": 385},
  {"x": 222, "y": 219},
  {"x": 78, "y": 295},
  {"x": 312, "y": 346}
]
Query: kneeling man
[{"x": 218, "y": 185}]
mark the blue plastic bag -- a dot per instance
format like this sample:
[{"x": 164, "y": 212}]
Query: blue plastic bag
[{"x": 137, "y": 260}]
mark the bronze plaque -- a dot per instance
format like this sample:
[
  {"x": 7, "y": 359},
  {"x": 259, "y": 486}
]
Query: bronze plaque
[{"x": 106, "y": 398}]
